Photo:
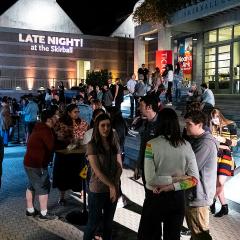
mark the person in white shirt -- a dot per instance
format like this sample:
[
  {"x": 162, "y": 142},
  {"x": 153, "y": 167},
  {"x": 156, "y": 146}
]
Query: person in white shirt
[
  {"x": 208, "y": 101},
  {"x": 131, "y": 88},
  {"x": 168, "y": 81}
]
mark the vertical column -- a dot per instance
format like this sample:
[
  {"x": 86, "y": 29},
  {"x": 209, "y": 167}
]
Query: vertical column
[
  {"x": 198, "y": 67},
  {"x": 164, "y": 39},
  {"x": 139, "y": 52}
]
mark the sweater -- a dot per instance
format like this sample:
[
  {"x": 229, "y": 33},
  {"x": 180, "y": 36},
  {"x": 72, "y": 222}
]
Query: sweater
[
  {"x": 205, "y": 148},
  {"x": 163, "y": 161},
  {"x": 39, "y": 147}
]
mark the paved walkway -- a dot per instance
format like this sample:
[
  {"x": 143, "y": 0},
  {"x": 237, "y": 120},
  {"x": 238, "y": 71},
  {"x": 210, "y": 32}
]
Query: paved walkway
[{"x": 14, "y": 225}]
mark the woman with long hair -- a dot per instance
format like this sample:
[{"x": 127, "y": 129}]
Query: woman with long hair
[
  {"x": 170, "y": 167},
  {"x": 69, "y": 132},
  {"x": 225, "y": 131},
  {"x": 104, "y": 156}
]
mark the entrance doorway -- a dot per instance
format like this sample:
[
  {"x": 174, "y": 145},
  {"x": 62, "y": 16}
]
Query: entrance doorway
[
  {"x": 218, "y": 68},
  {"x": 83, "y": 67}
]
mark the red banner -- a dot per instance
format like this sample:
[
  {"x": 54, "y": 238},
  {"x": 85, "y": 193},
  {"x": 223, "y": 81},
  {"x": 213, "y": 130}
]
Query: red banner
[{"x": 163, "y": 57}]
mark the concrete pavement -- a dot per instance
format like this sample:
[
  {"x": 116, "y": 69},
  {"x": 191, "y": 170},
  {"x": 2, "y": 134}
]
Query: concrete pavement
[{"x": 14, "y": 225}]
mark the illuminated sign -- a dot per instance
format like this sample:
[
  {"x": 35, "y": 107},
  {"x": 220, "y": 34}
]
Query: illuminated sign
[
  {"x": 185, "y": 57},
  {"x": 163, "y": 57},
  {"x": 50, "y": 43}
]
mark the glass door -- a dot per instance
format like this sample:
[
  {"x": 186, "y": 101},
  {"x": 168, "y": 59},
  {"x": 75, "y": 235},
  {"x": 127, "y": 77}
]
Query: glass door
[
  {"x": 236, "y": 67},
  {"x": 223, "y": 68},
  {"x": 210, "y": 67}
]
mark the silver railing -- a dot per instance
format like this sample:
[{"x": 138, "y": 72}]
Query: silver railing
[{"x": 35, "y": 83}]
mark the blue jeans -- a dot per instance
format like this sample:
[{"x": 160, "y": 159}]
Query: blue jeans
[
  {"x": 5, "y": 136},
  {"x": 131, "y": 105},
  {"x": 100, "y": 207},
  {"x": 177, "y": 90}
]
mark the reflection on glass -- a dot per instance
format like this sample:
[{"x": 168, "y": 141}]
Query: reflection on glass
[
  {"x": 224, "y": 49},
  {"x": 236, "y": 60},
  {"x": 224, "y": 56},
  {"x": 209, "y": 51},
  {"x": 209, "y": 79},
  {"x": 210, "y": 65},
  {"x": 225, "y": 34},
  {"x": 225, "y": 63},
  {"x": 224, "y": 66},
  {"x": 210, "y": 58},
  {"x": 210, "y": 72},
  {"x": 210, "y": 37},
  {"x": 237, "y": 31},
  {"x": 223, "y": 72}
]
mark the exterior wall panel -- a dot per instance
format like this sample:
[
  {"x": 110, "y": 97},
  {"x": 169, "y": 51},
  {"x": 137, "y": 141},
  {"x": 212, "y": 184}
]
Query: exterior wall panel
[{"x": 18, "y": 61}]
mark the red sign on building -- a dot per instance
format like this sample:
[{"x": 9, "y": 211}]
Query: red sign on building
[{"x": 163, "y": 57}]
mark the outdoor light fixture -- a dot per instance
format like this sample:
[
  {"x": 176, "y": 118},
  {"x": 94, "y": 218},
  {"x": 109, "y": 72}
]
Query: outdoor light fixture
[
  {"x": 18, "y": 88},
  {"x": 41, "y": 88},
  {"x": 148, "y": 38}
]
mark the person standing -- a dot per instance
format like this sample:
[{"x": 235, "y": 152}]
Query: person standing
[
  {"x": 30, "y": 115},
  {"x": 156, "y": 78},
  {"x": 170, "y": 168},
  {"x": 225, "y": 132},
  {"x": 168, "y": 81},
  {"x": 149, "y": 109},
  {"x": 131, "y": 88},
  {"x": 118, "y": 93},
  {"x": 107, "y": 96},
  {"x": 177, "y": 81},
  {"x": 61, "y": 93},
  {"x": 69, "y": 132},
  {"x": 143, "y": 73},
  {"x": 38, "y": 155},
  {"x": 104, "y": 156},
  {"x": 5, "y": 120},
  {"x": 207, "y": 101},
  {"x": 205, "y": 148},
  {"x": 99, "y": 93}
]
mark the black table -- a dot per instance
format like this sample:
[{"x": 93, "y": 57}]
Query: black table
[{"x": 78, "y": 217}]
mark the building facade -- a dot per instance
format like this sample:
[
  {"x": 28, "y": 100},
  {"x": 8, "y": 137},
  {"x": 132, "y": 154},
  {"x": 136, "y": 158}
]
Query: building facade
[
  {"x": 203, "y": 37},
  {"x": 40, "y": 46}
]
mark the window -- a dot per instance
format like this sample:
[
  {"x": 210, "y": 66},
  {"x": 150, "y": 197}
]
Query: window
[
  {"x": 210, "y": 37},
  {"x": 225, "y": 34},
  {"x": 236, "y": 60},
  {"x": 224, "y": 67},
  {"x": 224, "y": 49},
  {"x": 236, "y": 31},
  {"x": 210, "y": 65}
]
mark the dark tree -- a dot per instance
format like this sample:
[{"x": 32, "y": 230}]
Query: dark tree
[{"x": 159, "y": 11}]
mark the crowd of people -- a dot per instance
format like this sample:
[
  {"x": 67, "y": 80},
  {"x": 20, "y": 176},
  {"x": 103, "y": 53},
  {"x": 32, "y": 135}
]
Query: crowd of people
[{"x": 183, "y": 172}]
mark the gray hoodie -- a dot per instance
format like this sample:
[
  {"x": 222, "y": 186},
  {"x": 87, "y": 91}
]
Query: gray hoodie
[{"x": 205, "y": 148}]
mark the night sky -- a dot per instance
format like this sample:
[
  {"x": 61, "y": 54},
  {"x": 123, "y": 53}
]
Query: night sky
[{"x": 93, "y": 17}]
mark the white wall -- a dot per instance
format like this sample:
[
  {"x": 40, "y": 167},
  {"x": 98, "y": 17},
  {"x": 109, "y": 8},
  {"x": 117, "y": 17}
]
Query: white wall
[
  {"x": 126, "y": 29},
  {"x": 43, "y": 15}
]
